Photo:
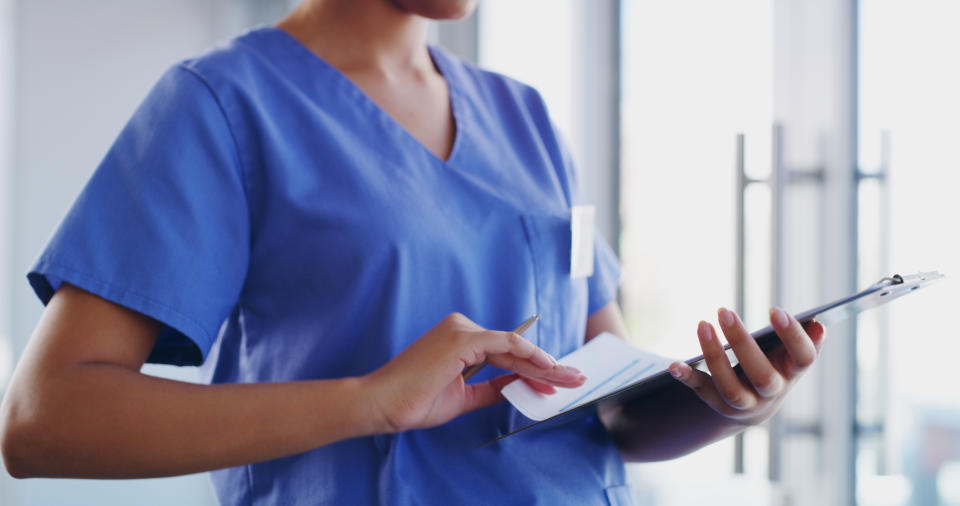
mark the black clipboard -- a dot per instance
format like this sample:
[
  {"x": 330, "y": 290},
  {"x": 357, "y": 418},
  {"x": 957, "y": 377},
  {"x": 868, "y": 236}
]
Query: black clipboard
[{"x": 662, "y": 384}]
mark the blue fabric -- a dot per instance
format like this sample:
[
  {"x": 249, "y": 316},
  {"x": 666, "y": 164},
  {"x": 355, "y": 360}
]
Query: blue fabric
[{"x": 283, "y": 227}]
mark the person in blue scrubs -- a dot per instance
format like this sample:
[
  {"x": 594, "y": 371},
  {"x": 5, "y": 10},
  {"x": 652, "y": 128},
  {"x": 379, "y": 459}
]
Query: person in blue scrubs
[{"x": 327, "y": 216}]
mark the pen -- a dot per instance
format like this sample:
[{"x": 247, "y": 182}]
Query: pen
[{"x": 475, "y": 368}]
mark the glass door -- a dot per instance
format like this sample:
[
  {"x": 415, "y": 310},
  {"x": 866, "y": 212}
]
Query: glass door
[{"x": 908, "y": 449}]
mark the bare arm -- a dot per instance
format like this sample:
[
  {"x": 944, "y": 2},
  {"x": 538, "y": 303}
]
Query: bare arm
[
  {"x": 703, "y": 408},
  {"x": 78, "y": 406}
]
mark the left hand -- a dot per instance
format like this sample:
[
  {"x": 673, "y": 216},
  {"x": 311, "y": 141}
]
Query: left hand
[{"x": 754, "y": 395}]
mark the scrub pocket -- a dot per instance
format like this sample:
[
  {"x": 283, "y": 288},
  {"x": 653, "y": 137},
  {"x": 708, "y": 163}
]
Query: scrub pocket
[{"x": 561, "y": 300}]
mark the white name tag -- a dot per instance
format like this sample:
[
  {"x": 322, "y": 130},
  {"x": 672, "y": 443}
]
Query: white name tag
[{"x": 581, "y": 241}]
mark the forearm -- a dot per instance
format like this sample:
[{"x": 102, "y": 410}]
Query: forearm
[
  {"x": 106, "y": 421},
  {"x": 78, "y": 406},
  {"x": 665, "y": 426}
]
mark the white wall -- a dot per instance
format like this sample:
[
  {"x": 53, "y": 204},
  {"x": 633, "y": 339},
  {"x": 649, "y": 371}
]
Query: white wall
[
  {"x": 6, "y": 158},
  {"x": 79, "y": 70}
]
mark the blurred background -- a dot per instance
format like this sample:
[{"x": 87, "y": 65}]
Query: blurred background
[{"x": 740, "y": 153}]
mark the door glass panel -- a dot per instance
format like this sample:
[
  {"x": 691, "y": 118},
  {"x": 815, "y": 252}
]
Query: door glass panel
[{"x": 909, "y": 77}]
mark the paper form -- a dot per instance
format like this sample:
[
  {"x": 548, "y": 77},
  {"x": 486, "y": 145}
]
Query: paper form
[{"x": 608, "y": 362}]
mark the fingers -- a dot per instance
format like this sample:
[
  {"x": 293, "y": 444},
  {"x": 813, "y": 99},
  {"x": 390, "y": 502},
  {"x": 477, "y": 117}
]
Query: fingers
[
  {"x": 559, "y": 375},
  {"x": 484, "y": 394},
  {"x": 801, "y": 350},
  {"x": 539, "y": 386},
  {"x": 702, "y": 385},
  {"x": 765, "y": 378},
  {"x": 480, "y": 344},
  {"x": 494, "y": 342},
  {"x": 816, "y": 332},
  {"x": 508, "y": 350},
  {"x": 479, "y": 395},
  {"x": 423, "y": 385},
  {"x": 470, "y": 338},
  {"x": 725, "y": 379}
]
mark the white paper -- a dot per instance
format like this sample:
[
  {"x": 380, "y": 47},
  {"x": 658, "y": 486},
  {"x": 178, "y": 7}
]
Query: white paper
[
  {"x": 608, "y": 362},
  {"x": 581, "y": 241}
]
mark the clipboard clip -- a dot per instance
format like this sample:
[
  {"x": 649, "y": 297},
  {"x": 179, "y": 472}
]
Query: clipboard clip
[
  {"x": 896, "y": 279},
  {"x": 915, "y": 279}
]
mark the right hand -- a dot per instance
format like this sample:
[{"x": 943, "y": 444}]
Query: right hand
[{"x": 423, "y": 387}]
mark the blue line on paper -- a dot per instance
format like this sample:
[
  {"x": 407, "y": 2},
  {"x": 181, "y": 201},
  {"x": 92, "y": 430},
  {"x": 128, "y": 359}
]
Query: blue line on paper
[
  {"x": 631, "y": 378},
  {"x": 597, "y": 386}
]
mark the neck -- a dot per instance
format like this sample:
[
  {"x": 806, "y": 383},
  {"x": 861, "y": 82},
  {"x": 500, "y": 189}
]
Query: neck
[{"x": 361, "y": 34}]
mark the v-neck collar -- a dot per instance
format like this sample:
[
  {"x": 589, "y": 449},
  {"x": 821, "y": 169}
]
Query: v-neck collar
[{"x": 440, "y": 61}]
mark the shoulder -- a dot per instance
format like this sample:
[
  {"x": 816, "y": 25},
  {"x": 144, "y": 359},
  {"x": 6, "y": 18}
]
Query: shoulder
[
  {"x": 493, "y": 88},
  {"x": 233, "y": 62},
  {"x": 205, "y": 82},
  {"x": 233, "y": 86}
]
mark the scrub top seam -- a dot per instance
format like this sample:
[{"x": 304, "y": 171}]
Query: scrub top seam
[
  {"x": 536, "y": 269},
  {"x": 249, "y": 475},
  {"x": 226, "y": 119}
]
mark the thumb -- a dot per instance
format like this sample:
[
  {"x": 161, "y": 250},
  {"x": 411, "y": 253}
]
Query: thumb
[{"x": 480, "y": 395}]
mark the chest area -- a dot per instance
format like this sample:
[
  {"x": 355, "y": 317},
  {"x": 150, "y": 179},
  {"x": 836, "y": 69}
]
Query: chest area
[
  {"x": 333, "y": 175},
  {"x": 345, "y": 161},
  {"x": 421, "y": 108}
]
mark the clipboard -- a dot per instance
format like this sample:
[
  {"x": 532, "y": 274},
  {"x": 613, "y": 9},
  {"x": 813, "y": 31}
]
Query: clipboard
[{"x": 662, "y": 383}]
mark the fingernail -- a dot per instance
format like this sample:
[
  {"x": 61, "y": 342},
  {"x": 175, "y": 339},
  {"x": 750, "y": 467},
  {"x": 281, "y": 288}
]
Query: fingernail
[
  {"x": 675, "y": 371},
  {"x": 726, "y": 317},
  {"x": 779, "y": 318},
  {"x": 703, "y": 330},
  {"x": 568, "y": 369}
]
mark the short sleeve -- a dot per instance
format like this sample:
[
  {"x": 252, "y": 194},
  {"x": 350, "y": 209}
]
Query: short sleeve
[
  {"x": 162, "y": 226},
  {"x": 605, "y": 281}
]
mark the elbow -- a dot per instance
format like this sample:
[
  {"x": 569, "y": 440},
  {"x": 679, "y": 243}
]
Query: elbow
[
  {"x": 14, "y": 458},
  {"x": 17, "y": 442}
]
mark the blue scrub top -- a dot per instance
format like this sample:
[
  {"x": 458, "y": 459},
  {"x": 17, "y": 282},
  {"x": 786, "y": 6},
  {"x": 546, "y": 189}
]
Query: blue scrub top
[{"x": 283, "y": 227}]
